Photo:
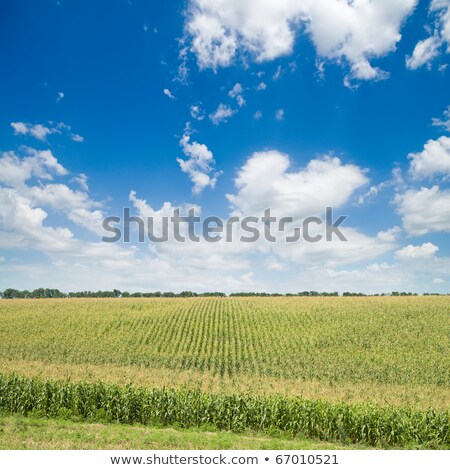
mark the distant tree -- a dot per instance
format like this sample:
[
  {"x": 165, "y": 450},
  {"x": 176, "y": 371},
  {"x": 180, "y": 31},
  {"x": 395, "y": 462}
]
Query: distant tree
[
  {"x": 212, "y": 294},
  {"x": 11, "y": 294},
  {"x": 187, "y": 293}
]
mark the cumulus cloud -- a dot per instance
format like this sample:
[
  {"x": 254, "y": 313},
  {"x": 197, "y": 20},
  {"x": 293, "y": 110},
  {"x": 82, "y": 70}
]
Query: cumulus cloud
[
  {"x": 25, "y": 205},
  {"x": 433, "y": 160},
  {"x": 343, "y": 31},
  {"x": 221, "y": 114},
  {"x": 15, "y": 170},
  {"x": 41, "y": 131},
  {"x": 426, "y": 50},
  {"x": 60, "y": 96},
  {"x": 358, "y": 248},
  {"x": 76, "y": 205},
  {"x": 38, "y": 131},
  {"x": 389, "y": 236},
  {"x": 411, "y": 252},
  {"x": 416, "y": 276},
  {"x": 267, "y": 181},
  {"x": 425, "y": 210},
  {"x": 25, "y": 224},
  {"x": 207, "y": 260},
  {"x": 199, "y": 165},
  {"x": 81, "y": 179}
]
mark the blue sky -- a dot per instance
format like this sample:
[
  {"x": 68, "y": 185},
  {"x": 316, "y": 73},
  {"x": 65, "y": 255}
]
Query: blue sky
[{"x": 328, "y": 104}]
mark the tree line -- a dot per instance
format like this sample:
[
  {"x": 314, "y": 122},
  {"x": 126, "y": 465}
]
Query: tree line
[{"x": 43, "y": 293}]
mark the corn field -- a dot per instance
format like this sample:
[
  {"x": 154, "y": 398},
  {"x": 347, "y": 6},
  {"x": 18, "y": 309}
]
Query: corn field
[
  {"x": 188, "y": 408},
  {"x": 365, "y": 369}
]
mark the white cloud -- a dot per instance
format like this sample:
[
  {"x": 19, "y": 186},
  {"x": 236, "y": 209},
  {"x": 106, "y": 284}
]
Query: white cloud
[
  {"x": 76, "y": 205},
  {"x": 240, "y": 101},
  {"x": 20, "y": 128},
  {"x": 37, "y": 131},
  {"x": 60, "y": 96},
  {"x": 183, "y": 70},
  {"x": 18, "y": 215},
  {"x": 346, "y": 32},
  {"x": 433, "y": 160},
  {"x": 197, "y": 112},
  {"x": 442, "y": 9},
  {"x": 276, "y": 76},
  {"x": 221, "y": 114},
  {"x": 279, "y": 114},
  {"x": 261, "y": 86},
  {"x": 77, "y": 137},
  {"x": 265, "y": 181},
  {"x": 199, "y": 165},
  {"x": 417, "y": 276},
  {"x": 371, "y": 193},
  {"x": 389, "y": 236},
  {"x": 24, "y": 210},
  {"x": 258, "y": 115},
  {"x": 424, "y": 52},
  {"x": 358, "y": 248},
  {"x": 273, "y": 264},
  {"x": 237, "y": 92},
  {"x": 81, "y": 179},
  {"x": 445, "y": 123},
  {"x": 425, "y": 210},
  {"x": 16, "y": 170},
  {"x": 194, "y": 263},
  {"x": 41, "y": 131},
  {"x": 428, "y": 49},
  {"x": 411, "y": 252},
  {"x": 168, "y": 93},
  {"x": 15, "y": 173}
]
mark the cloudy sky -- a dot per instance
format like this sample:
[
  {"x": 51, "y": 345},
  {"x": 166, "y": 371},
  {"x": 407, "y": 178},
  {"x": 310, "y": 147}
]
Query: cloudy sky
[{"x": 231, "y": 107}]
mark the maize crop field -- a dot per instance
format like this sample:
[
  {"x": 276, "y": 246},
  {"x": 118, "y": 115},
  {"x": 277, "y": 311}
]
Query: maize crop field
[{"x": 365, "y": 370}]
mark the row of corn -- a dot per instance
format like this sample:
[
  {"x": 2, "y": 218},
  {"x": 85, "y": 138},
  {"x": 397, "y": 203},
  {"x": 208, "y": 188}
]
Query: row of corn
[{"x": 350, "y": 423}]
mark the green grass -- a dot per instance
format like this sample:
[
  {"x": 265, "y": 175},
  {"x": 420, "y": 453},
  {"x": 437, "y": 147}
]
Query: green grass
[{"x": 19, "y": 432}]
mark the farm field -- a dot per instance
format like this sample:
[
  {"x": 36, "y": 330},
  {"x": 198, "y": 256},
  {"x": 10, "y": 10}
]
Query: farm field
[{"x": 390, "y": 354}]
